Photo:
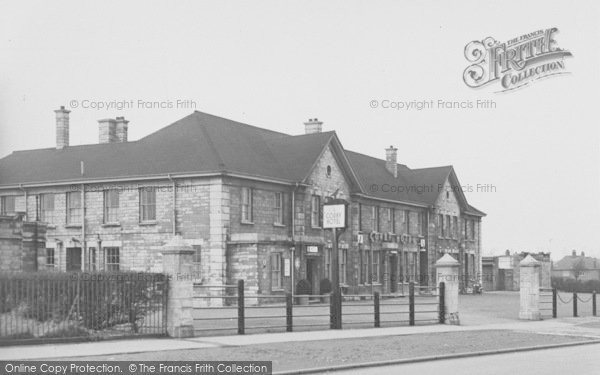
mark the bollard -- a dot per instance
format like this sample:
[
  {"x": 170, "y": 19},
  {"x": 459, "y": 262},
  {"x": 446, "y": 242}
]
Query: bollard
[
  {"x": 376, "y": 310},
  {"x": 288, "y": 312},
  {"x": 594, "y": 303},
  {"x": 554, "y": 303},
  {"x": 442, "y": 303},
  {"x": 411, "y": 303},
  {"x": 575, "y": 304},
  {"x": 241, "y": 322}
]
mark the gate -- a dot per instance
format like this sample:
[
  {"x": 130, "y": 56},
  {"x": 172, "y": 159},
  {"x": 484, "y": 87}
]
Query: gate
[{"x": 51, "y": 306}]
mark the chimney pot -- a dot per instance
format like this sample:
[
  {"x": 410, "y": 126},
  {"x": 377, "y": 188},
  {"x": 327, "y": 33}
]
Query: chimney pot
[
  {"x": 62, "y": 127},
  {"x": 313, "y": 126}
]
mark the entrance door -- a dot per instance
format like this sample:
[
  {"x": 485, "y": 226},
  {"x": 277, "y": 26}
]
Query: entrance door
[
  {"x": 423, "y": 268},
  {"x": 393, "y": 273},
  {"x": 312, "y": 274},
  {"x": 73, "y": 259}
]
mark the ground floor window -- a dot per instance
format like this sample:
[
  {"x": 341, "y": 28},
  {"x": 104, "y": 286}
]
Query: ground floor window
[
  {"x": 376, "y": 266},
  {"x": 276, "y": 274},
  {"x": 328, "y": 263},
  {"x": 112, "y": 258},
  {"x": 364, "y": 267},
  {"x": 197, "y": 261},
  {"x": 50, "y": 258}
]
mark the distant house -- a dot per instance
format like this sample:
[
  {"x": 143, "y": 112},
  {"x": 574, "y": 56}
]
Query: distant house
[
  {"x": 577, "y": 267},
  {"x": 502, "y": 272}
]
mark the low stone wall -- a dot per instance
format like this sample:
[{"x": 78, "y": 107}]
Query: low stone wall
[{"x": 22, "y": 244}]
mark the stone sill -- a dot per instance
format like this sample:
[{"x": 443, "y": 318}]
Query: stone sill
[
  {"x": 247, "y": 222},
  {"x": 279, "y": 225},
  {"x": 148, "y": 223},
  {"x": 108, "y": 225},
  {"x": 76, "y": 226}
]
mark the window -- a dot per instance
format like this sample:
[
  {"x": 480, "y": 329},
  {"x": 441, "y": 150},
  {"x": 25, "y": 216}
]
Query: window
[
  {"x": 441, "y": 225},
  {"x": 328, "y": 263},
  {"x": 92, "y": 259},
  {"x": 111, "y": 206},
  {"x": 246, "y": 205},
  {"x": 412, "y": 266},
  {"x": 74, "y": 207},
  {"x": 448, "y": 226},
  {"x": 472, "y": 229},
  {"x": 315, "y": 211},
  {"x": 393, "y": 220},
  {"x": 376, "y": 266},
  {"x": 46, "y": 208},
  {"x": 50, "y": 259},
  {"x": 197, "y": 261},
  {"x": 465, "y": 223},
  {"x": 360, "y": 226},
  {"x": 375, "y": 218},
  {"x": 278, "y": 209},
  {"x": 343, "y": 260},
  {"x": 112, "y": 258},
  {"x": 147, "y": 204},
  {"x": 276, "y": 276},
  {"x": 407, "y": 221},
  {"x": 455, "y": 225},
  {"x": 420, "y": 223},
  {"x": 364, "y": 267},
  {"x": 329, "y": 171},
  {"x": 7, "y": 204}
]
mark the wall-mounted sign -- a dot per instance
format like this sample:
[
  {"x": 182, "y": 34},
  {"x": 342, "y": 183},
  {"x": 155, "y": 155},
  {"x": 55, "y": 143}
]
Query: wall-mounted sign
[
  {"x": 505, "y": 263},
  {"x": 404, "y": 239},
  {"x": 361, "y": 239},
  {"x": 334, "y": 216},
  {"x": 287, "y": 266},
  {"x": 312, "y": 249}
]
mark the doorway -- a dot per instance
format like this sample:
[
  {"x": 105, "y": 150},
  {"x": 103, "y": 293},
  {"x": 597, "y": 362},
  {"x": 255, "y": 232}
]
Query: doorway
[
  {"x": 73, "y": 259},
  {"x": 312, "y": 274}
]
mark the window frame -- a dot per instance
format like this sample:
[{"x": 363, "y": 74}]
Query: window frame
[
  {"x": 343, "y": 265},
  {"x": 276, "y": 270},
  {"x": 375, "y": 219},
  {"x": 109, "y": 261},
  {"x": 45, "y": 214},
  {"x": 3, "y": 204},
  {"x": 51, "y": 254},
  {"x": 111, "y": 211},
  {"x": 315, "y": 211},
  {"x": 145, "y": 204},
  {"x": 278, "y": 209},
  {"x": 197, "y": 261},
  {"x": 376, "y": 267},
  {"x": 406, "y": 221},
  {"x": 71, "y": 211},
  {"x": 246, "y": 205}
]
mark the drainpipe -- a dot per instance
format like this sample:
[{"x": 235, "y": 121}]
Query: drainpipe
[
  {"x": 83, "y": 246},
  {"x": 174, "y": 226}
]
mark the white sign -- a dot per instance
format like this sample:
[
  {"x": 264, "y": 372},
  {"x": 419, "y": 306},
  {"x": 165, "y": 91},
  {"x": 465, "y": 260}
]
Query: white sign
[
  {"x": 505, "y": 263},
  {"x": 334, "y": 216},
  {"x": 286, "y": 267},
  {"x": 312, "y": 249}
]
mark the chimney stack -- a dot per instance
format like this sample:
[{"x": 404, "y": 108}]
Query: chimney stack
[
  {"x": 582, "y": 254},
  {"x": 574, "y": 253},
  {"x": 121, "y": 129},
  {"x": 313, "y": 126},
  {"x": 62, "y": 127},
  {"x": 107, "y": 131},
  {"x": 391, "y": 160}
]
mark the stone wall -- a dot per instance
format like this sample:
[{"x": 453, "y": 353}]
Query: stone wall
[{"x": 22, "y": 244}]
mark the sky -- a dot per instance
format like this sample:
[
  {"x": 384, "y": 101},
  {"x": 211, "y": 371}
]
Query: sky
[{"x": 276, "y": 64}]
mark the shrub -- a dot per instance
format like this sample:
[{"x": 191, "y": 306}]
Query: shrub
[
  {"x": 325, "y": 286},
  {"x": 303, "y": 287},
  {"x": 572, "y": 285}
]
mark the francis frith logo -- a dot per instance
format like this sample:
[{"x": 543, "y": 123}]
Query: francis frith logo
[{"x": 516, "y": 62}]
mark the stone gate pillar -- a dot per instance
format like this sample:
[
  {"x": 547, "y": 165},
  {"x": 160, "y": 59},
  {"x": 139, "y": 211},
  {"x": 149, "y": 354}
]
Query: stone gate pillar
[
  {"x": 529, "y": 282},
  {"x": 447, "y": 272},
  {"x": 177, "y": 265}
]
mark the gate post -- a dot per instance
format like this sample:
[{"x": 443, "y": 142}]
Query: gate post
[
  {"x": 241, "y": 307},
  {"x": 411, "y": 304},
  {"x": 529, "y": 280},
  {"x": 554, "y": 303},
  {"x": 447, "y": 273},
  {"x": 575, "y": 305},
  {"x": 442, "y": 303},
  {"x": 177, "y": 265},
  {"x": 376, "y": 310}
]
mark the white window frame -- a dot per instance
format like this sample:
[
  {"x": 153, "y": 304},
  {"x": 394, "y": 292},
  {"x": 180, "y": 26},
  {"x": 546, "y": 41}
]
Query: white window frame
[
  {"x": 315, "y": 211},
  {"x": 278, "y": 208},
  {"x": 147, "y": 202},
  {"x": 246, "y": 205},
  {"x": 276, "y": 271},
  {"x": 47, "y": 215},
  {"x": 73, "y": 208},
  {"x": 112, "y": 261},
  {"x": 111, "y": 206}
]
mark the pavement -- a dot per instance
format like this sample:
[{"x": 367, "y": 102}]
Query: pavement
[{"x": 584, "y": 327}]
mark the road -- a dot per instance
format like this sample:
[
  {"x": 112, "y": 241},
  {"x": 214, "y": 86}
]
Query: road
[{"x": 580, "y": 360}]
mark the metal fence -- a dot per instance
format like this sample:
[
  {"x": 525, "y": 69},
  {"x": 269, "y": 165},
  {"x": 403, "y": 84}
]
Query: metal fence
[
  {"x": 230, "y": 309},
  {"x": 554, "y": 303},
  {"x": 49, "y": 306}
]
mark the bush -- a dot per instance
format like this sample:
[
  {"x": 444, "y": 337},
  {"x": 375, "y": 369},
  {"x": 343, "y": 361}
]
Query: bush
[
  {"x": 96, "y": 300},
  {"x": 325, "y": 286},
  {"x": 578, "y": 286},
  {"x": 303, "y": 287}
]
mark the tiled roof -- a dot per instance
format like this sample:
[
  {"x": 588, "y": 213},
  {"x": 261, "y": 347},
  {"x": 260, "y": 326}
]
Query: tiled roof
[
  {"x": 571, "y": 262},
  {"x": 203, "y": 143}
]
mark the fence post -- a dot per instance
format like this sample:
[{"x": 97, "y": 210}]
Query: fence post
[
  {"x": 554, "y": 303},
  {"x": 594, "y": 303},
  {"x": 575, "y": 304},
  {"x": 411, "y": 303},
  {"x": 288, "y": 312},
  {"x": 241, "y": 322},
  {"x": 376, "y": 310},
  {"x": 447, "y": 272},
  {"x": 177, "y": 265},
  {"x": 442, "y": 303}
]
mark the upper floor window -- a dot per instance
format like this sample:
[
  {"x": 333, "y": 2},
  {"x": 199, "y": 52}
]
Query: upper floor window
[
  {"x": 74, "y": 207},
  {"x": 246, "y": 205},
  {"x": 360, "y": 226},
  {"x": 472, "y": 229},
  {"x": 455, "y": 227},
  {"x": 315, "y": 211},
  {"x": 111, "y": 206},
  {"x": 407, "y": 221},
  {"x": 7, "y": 205},
  {"x": 112, "y": 258},
  {"x": 392, "y": 216},
  {"x": 46, "y": 208},
  {"x": 147, "y": 204},
  {"x": 375, "y": 218},
  {"x": 442, "y": 226},
  {"x": 448, "y": 226},
  {"x": 421, "y": 224},
  {"x": 278, "y": 209}
]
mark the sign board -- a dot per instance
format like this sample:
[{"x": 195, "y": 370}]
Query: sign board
[
  {"x": 334, "y": 216},
  {"x": 312, "y": 249},
  {"x": 505, "y": 263},
  {"x": 287, "y": 265}
]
